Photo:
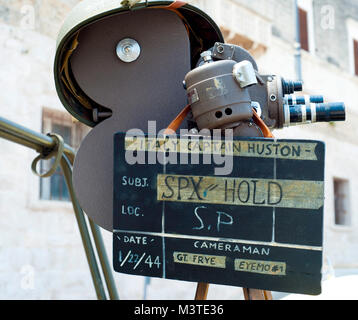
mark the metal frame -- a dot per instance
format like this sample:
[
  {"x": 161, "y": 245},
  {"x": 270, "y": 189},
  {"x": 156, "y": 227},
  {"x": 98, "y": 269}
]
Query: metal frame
[{"x": 44, "y": 145}]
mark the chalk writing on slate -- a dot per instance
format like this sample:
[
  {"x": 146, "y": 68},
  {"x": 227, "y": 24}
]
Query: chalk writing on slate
[{"x": 261, "y": 226}]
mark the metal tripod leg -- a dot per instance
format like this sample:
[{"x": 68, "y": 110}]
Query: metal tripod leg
[
  {"x": 96, "y": 276},
  {"x": 40, "y": 142}
]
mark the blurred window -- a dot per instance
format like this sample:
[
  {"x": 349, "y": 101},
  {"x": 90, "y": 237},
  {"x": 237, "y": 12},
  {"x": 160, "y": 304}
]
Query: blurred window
[
  {"x": 307, "y": 25},
  {"x": 341, "y": 202},
  {"x": 304, "y": 29},
  {"x": 355, "y": 46},
  {"x": 352, "y": 28},
  {"x": 72, "y": 132}
]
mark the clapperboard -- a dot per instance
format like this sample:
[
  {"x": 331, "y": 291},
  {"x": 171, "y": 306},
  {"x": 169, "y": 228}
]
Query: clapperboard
[{"x": 260, "y": 226}]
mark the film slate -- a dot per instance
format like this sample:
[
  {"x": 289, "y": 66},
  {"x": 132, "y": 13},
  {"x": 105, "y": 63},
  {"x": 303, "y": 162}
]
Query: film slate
[{"x": 179, "y": 215}]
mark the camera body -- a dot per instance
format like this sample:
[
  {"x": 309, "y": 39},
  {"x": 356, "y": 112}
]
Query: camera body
[{"x": 226, "y": 86}]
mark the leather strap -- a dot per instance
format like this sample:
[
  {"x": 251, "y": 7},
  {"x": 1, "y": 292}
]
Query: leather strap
[
  {"x": 174, "y": 126},
  {"x": 57, "y": 152},
  {"x": 177, "y": 5},
  {"x": 264, "y": 128}
]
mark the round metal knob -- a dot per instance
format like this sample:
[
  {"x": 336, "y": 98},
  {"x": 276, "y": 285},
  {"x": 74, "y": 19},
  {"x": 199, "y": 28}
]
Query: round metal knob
[{"x": 128, "y": 50}]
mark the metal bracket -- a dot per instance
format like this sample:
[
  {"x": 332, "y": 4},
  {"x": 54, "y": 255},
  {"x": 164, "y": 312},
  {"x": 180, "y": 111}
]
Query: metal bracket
[{"x": 223, "y": 51}]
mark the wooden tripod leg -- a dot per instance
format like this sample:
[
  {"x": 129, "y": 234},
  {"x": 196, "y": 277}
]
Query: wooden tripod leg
[
  {"x": 254, "y": 294},
  {"x": 202, "y": 291},
  {"x": 268, "y": 295}
]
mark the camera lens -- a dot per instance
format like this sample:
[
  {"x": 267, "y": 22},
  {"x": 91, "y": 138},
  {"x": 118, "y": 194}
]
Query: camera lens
[
  {"x": 290, "y": 87},
  {"x": 321, "y": 112},
  {"x": 293, "y": 100},
  {"x": 327, "y": 112}
]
